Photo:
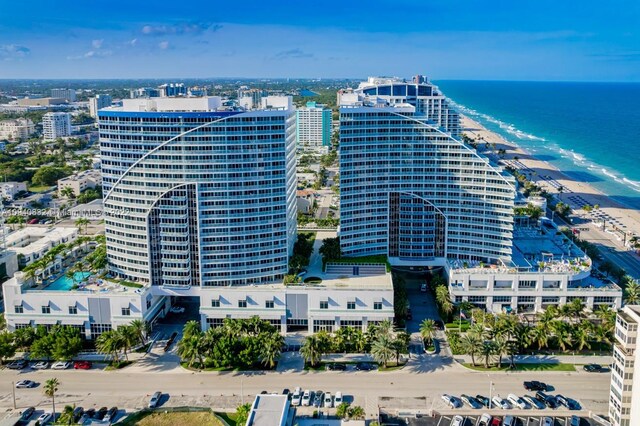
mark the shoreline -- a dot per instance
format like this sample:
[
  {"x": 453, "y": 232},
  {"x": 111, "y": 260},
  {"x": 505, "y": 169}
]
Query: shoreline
[{"x": 619, "y": 218}]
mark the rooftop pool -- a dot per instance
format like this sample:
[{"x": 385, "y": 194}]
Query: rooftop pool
[{"x": 65, "y": 283}]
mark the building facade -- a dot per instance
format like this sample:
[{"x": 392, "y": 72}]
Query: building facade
[
  {"x": 99, "y": 102},
  {"x": 9, "y": 190},
  {"x": 56, "y": 125},
  {"x": 313, "y": 125},
  {"x": 68, "y": 94},
  {"x": 409, "y": 188},
  {"x": 624, "y": 405},
  {"x": 80, "y": 181},
  {"x": 16, "y": 130},
  {"x": 172, "y": 89},
  {"x": 198, "y": 196}
]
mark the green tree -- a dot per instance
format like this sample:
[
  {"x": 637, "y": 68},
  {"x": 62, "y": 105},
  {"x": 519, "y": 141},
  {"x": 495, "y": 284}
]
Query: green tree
[
  {"x": 632, "y": 293},
  {"x": 7, "y": 347},
  {"x": 330, "y": 249},
  {"x": 141, "y": 328},
  {"x": 401, "y": 344},
  {"x": 190, "y": 328},
  {"x": 242, "y": 414},
  {"x": 50, "y": 388},
  {"x": 383, "y": 349},
  {"x": 582, "y": 334},
  {"x": 311, "y": 350},
  {"x": 271, "y": 349},
  {"x": 190, "y": 349},
  {"x": 49, "y": 175},
  {"x": 109, "y": 343},
  {"x": 428, "y": 330},
  {"x": 82, "y": 223},
  {"x": 66, "y": 417},
  {"x": 67, "y": 192},
  {"x": 562, "y": 334},
  {"x": 356, "y": 413},
  {"x": 127, "y": 337},
  {"x": 471, "y": 344},
  {"x": 342, "y": 410},
  {"x": 540, "y": 335},
  {"x": 487, "y": 350}
]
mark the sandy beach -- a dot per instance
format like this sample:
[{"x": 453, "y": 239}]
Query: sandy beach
[{"x": 618, "y": 218}]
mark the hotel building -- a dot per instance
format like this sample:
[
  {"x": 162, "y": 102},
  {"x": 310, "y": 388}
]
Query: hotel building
[
  {"x": 56, "y": 125},
  {"x": 99, "y": 102},
  {"x": 313, "y": 125},
  {"x": 624, "y": 405},
  {"x": 68, "y": 94},
  {"x": 18, "y": 129}
]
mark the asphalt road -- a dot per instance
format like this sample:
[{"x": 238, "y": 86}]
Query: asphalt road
[
  {"x": 418, "y": 386},
  {"x": 622, "y": 257}
]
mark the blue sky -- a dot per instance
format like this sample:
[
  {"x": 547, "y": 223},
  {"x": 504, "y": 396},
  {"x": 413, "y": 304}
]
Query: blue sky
[{"x": 446, "y": 39}]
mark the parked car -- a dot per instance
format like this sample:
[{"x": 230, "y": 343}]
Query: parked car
[
  {"x": 336, "y": 366},
  {"x": 111, "y": 414},
  {"x": 177, "y": 309},
  {"x": 562, "y": 400},
  {"x": 534, "y": 402},
  {"x": 287, "y": 392},
  {"x": 500, "y": 403},
  {"x": 88, "y": 415},
  {"x": 575, "y": 421},
  {"x": 101, "y": 413},
  {"x": 496, "y": 421},
  {"x": 155, "y": 399},
  {"x": 483, "y": 400},
  {"x": 337, "y": 400},
  {"x": 317, "y": 400},
  {"x": 546, "y": 421},
  {"x": 296, "y": 398},
  {"x": 18, "y": 364},
  {"x": 471, "y": 401},
  {"x": 26, "y": 414},
  {"x": 509, "y": 421},
  {"x": 61, "y": 365},
  {"x": 548, "y": 400},
  {"x": 328, "y": 400},
  {"x": 77, "y": 414},
  {"x": 534, "y": 385},
  {"x": 485, "y": 419},
  {"x": 365, "y": 366},
  {"x": 42, "y": 365},
  {"x": 45, "y": 417},
  {"x": 451, "y": 401},
  {"x": 306, "y": 398},
  {"x": 572, "y": 404},
  {"x": 593, "y": 368},
  {"x": 423, "y": 287},
  {"x": 457, "y": 421},
  {"x": 25, "y": 384},
  {"x": 516, "y": 401},
  {"x": 409, "y": 314},
  {"x": 82, "y": 365}
]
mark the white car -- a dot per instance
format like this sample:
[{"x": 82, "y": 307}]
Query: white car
[
  {"x": 546, "y": 421},
  {"x": 177, "y": 309},
  {"x": 296, "y": 398},
  {"x": 328, "y": 400},
  {"x": 451, "y": 401},
  {"x": 42, "y": 365},
  {"x": 499, "y": 402},
  {"x": 457, "y": 421},
  {"x": 485, "y": 420},
  {"x": 155, "y": 399},
  {"x": 25, "y": 384},
  {"x": 516, "y": 401},
  {"x": 338, "y": 399},
  {"x": 423, "y": 288},
  {"x": 306, "y": 398},
  {"x": 45, "y": 417},
  {"x": 61, "y": 365}
]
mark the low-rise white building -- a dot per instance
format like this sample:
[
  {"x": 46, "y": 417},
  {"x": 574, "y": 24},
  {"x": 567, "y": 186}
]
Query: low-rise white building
[
  {"x": 546, "y": 268},
  {"x": 81, "y": 181},
  {"x": 271, "y": 410},
  {"x": 94, "y": 307},
  {"x": 9, "y": 190},
  {"x": 16, "y": 130},
  {"x": 624, "y": 405},
  {"x": 32, "y": 242}
]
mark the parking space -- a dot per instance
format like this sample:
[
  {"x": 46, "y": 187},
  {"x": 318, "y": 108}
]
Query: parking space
[{"x": 473, "y": 420}]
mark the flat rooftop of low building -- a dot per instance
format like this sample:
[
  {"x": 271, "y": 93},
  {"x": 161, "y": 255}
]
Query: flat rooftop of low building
[
  {"x": 33, "y": 238},
  {"x": 269, "y": 410}
]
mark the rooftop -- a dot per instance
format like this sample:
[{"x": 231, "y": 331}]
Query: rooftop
[
  {"x": 33, "y": 238},
  {"x": 269, "y": 410}
]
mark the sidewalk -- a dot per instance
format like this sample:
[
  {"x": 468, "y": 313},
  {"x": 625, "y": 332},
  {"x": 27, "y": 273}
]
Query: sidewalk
[{"x": 547, "y": 359}]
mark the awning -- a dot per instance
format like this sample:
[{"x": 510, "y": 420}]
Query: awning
[
  {"x": 45, "y": 321},
  {"x": 74, "y": 321}
]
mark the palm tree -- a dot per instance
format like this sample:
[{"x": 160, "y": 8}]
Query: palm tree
[
  {"x": 50, "y": 388},
  {"x": 549, "y": 314},
  {"x": 383, "y": 349},
  {"x": 356, "y": 413},
  {"x": 480, "y": 331},
  {"x": 540, "y": 335},
  {"x": 271, "y": 349},
  {"x": 470, "y": 344},
  {"x": 401, "y": 344},
  {"x": 311, "y": 350},
  {"x": 109, "y": 343},
  {"x": 141, "y": 329},
  {"x": 501, "y": 347},
  {"x": 82, "y": 222},
  {"x": 384, "y": 328},
  {"x": 577, "y": 308},
  {"x": 67, "y": 192},
  {"x": 191, "y": 327},
  {"x": 487, "y": 350},
  {"x": 190, "y": 348},
  {"x": 582, "y": 334},
  {"x": 562, "y": 334},
  {"x": 428, "y": 330},
  {"x": 632, "y": 293},
  {"x": 442, "y": 295},
  {"x": 127, "y": 337}
]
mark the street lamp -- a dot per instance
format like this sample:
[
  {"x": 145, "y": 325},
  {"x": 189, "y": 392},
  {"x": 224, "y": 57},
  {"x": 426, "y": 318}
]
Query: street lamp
[{"x": 490, "y": 393}]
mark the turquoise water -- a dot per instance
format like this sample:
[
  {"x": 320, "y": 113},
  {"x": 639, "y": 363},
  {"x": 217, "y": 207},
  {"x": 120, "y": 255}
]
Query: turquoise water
[
  {"x": 588, "y": 130},
  {"x": 64, "y": 283}
]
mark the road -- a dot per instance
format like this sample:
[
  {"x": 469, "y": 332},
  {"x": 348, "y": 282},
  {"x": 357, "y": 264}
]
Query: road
[
  {"x": 612, "y": 249},
  {"x": 423, "y": 380}
]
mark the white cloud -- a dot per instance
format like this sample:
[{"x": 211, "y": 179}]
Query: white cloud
[
  {"x": 13, "y": 51},
  {"x": 133, "y": 42},
  {"x": 164, "y": 45},
  {"x": 179, "y": 29},
  {"x": 97, "y": 44}
]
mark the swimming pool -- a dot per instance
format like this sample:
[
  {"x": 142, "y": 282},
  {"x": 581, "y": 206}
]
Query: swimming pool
[{"x": 65, "y": 283}]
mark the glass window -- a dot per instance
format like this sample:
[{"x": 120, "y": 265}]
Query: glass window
[
  {"x": 215, "y": 303},
  {"x": 384, "y": 90},
  {"x": 73, "y": 310},
  {"x": 269, "y": 304},
  {"x": 46, "y": 309},
  {"x": 126, "y": 311},
  {"x": 242, "y": 303},
  {"x": 18, "y": 309},
  {"x": 424, "y": 91},
  {"x": 411, "y": 90},
  {"x": 400, "y": 90},
  {"x": 377, "y": 306},
  {"x": 351, "y": 305},
  {"x": 324, "y": 305}
]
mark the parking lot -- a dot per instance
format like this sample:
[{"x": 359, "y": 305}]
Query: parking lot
[{"x": 475, "y": 419}]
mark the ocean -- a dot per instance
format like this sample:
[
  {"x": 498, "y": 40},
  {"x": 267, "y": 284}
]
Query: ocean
[{"x": 590, "y": 131}]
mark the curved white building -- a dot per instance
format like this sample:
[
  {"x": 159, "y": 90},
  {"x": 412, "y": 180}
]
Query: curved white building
[
  {"x": 197, "y": 196},
  {"x": 410, "y": 189}
]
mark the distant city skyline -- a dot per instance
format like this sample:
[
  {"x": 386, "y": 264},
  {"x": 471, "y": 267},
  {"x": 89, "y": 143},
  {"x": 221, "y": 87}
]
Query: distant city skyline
[{"x": 545, "y": 40}]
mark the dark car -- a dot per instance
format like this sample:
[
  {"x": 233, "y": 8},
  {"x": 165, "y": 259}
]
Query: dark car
[
  {"x": 548, "y": 400},
  {"x": 439, "y": 324},
  {"x": 336, "y": 366},
  {"x": 101, "y": 413},
  {"x": 409, "y": 314},
  {"x": 483, "y": 400},
  {"x": 77, "y": 413},
  {"x": 111, "y": 414},
  {"x": 18, "y": 364},
  {"x": 593, "y": 368},
  {"x": 572, "y": 404},
  {"x": 535, "y": 385},
  {"x": 287, "y": 392},
  {"x": 365, "y": 366},
  {"x": 86, "y": 416},
  {"x": 26, "y": 414}
]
